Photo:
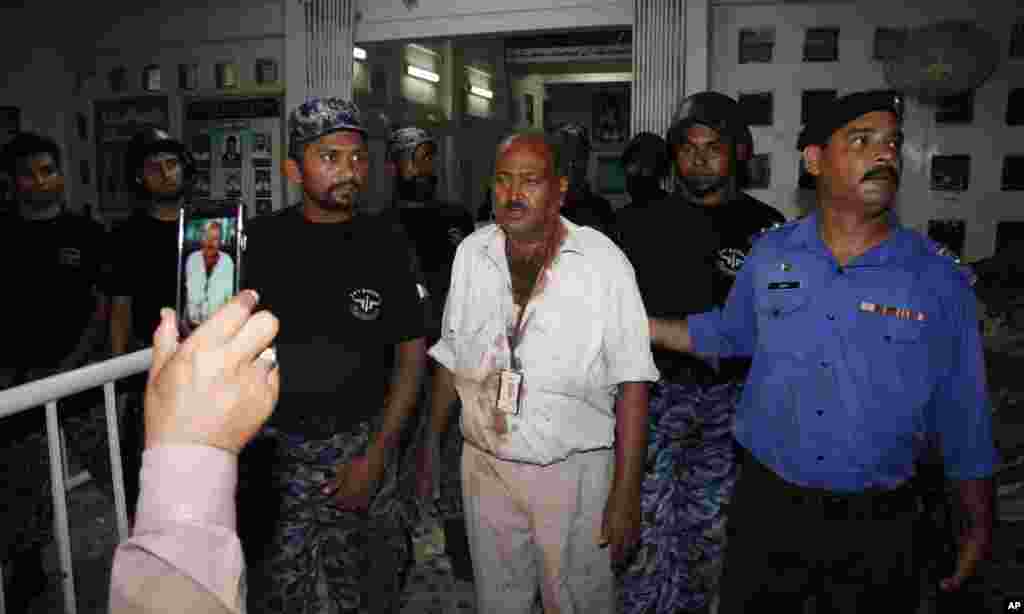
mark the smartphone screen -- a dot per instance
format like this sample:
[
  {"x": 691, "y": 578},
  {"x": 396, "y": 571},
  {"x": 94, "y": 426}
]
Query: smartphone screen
[{"x": 211, "y": 241}]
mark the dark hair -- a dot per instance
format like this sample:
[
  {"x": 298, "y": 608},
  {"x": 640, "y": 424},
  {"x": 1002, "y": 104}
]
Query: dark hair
[
  {"x": 26, "y": 145},
  {"x": 553, "y": 143}
]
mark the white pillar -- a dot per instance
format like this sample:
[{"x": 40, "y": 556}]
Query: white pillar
[
  {"x": 659, "y": 62},
  {"x": 318, "y": 49}
]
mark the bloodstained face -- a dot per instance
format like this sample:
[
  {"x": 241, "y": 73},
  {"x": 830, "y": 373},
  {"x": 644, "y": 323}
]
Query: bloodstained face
[
  {"x": 703, "y": 161},
  {"x": 211, "y": 245},
  {"x": 860, "y": 166},
  {"x": 528, "y": 191},
  {"x": 335, "y": 169}
]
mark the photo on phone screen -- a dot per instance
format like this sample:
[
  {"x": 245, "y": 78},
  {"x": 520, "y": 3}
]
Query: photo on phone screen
[{"x": 210, "y": 247}]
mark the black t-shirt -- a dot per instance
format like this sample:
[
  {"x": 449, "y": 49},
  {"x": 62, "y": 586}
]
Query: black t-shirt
[
  {"x": 345, "y": 296},
  {"x": 144, "y": 254},
  {"x": 53, "y": 267},
  {"x": 436, "y": 230},
  {"x": 592, "y": 210},
  {"x": 671, "y": 245},
  {"x": 737, "y": 224}
]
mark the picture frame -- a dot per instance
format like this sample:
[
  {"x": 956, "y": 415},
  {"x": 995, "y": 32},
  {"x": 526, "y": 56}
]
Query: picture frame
[
  {"x": 611, "y": 116},
  {"x": 759, "y": 172},
  {"x": 757, "y": 107},
  {"x": 1013, "y": 173},
  {"x": 951, "y": 233},
  {"x": 266, "y": 71},
  {"x": 950, "y": 173},
  {"x": 1015, "y": 107},
  {"x": 957, "y": 109},
  {"x": 811, "y": 101},
  {"x": 1016, "y": 51},
  {"x": 188, "y": 77},
  {"x": 528, "y": 109},
  {"x": 115, "y": 79},
  {"x": 151, "y": 78},
  {"x": 226, "y": 75},
  {"x": 889, "y": 42},
  {"x": 821, "y": 45},
  {"x": 756, "y": 45}
]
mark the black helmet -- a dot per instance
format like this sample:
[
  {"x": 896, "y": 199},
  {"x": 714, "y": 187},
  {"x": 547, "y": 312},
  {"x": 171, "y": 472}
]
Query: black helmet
[
  {"x": 151, "y": 140},
  {"x": 717, "y": 111}
]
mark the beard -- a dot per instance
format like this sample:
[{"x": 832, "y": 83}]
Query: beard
[
  {"x": 343, "y": 196},
  {"x": 417, "y": 189},
  {"x": 702, "y": 185}
]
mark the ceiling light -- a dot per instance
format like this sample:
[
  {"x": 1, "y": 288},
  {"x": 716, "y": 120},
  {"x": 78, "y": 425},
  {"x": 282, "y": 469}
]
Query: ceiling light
[
  {"x": 481, "y": 91},
  {"x": 421, "y": 73},
  {"x": 359, "y": 53}
]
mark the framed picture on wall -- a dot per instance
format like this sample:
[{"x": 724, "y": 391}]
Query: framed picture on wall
[
  {"x": 1013, "y": 173},
  {"x": 759, "y": 172},
  {"x": 611, "y": 116},
  {"x": 188, "y": 76},
  {"x": 958, "y": 109},
  {"x": 1015, "y": 107},
  {"x": 528, "y": 109},
  {"x": 757, "y": 45},
  {"x": 758, "y": 108},
  {"x": 950, "y": 233},
  {"x": 889, "y": 43},
  {"x": 821, "y": 45},
  {"x": 951, "y": 173},
  {"x": 812, "y": 101},
  {"x": 227, "y": 75},
  {"x": 1017, "y": 40},
  {"x": 266, "y": 71},
  {"x": 151, "y": 78}
]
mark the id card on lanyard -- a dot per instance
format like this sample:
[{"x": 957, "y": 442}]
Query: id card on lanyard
[{"x": 510, "y": 380}]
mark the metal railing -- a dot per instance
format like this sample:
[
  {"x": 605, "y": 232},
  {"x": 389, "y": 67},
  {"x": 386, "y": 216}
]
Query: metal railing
[{"x": 48, "y": 392}]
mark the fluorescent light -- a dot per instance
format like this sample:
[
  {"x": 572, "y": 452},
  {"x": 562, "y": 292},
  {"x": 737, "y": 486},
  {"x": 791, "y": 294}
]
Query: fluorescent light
[
  {"x": 359, "y": 53},
  {"x": 481, "y": 91},
  {"x": 426, "y": 75}
]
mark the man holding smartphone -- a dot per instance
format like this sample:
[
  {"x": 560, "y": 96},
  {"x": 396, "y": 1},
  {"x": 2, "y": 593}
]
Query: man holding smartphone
[{"x": 323, "y": 521}]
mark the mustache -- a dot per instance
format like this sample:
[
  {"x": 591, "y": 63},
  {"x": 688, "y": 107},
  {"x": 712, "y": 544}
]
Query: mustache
[{"x": 882, "y": 172}]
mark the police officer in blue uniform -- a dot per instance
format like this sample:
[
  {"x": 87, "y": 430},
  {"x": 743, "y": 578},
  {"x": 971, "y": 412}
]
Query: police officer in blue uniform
[{"x": 865, "y": 350}]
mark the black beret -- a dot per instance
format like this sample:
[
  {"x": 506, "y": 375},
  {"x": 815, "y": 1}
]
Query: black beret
[{"x": 819, "y": 129}]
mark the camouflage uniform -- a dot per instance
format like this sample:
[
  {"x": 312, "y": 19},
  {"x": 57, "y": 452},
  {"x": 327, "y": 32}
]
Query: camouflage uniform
[{"x": 304, "y": 554}]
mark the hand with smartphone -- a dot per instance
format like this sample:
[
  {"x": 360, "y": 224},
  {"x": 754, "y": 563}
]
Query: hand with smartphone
[{"x": 211, "y": 243}]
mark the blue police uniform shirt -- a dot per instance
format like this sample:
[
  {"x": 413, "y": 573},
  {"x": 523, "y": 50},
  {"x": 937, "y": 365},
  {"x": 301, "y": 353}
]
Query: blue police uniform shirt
[{"x": 855, "y": 368}]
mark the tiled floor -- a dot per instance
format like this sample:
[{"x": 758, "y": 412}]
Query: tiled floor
[{"x": 432, "y": 588}]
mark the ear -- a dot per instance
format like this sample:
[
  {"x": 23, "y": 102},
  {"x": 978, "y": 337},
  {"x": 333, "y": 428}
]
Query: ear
[
  {"x": 813, "y": 155},
  {"x": 291, "y": 170}
]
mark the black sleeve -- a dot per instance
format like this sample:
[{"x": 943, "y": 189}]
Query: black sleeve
[{"x": 406, "y": 315}]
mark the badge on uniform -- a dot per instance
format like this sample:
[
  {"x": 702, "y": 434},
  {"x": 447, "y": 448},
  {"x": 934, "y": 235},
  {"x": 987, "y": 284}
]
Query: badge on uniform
[
  {"x": 510, "y": 385},
  {"x": 900, "y": 313}
]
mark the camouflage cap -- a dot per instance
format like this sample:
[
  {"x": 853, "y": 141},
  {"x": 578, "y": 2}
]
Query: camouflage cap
[
  {"x": 320, "y": 116},
  {"x": 405, "y": 140}
]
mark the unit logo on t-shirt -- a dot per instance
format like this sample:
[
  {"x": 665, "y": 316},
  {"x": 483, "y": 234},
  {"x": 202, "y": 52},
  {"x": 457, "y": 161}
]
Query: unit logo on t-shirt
[
  {"x": 730, "y": 260},
  {"x": 366, "y": 304},
  {"x": 70, "y": 256}
]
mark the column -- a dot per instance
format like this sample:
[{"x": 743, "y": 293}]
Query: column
[
  {"x": 318, "y": 51},
  {"x": 659, "y": 62}
]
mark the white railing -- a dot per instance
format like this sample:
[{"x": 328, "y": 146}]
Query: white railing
[{"x": 48, "y": 392}]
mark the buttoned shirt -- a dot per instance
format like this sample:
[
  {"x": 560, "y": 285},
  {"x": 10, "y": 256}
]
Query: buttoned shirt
[
  {"x": 584, "y": 333},
  {"x": 206, "y": 293},
  {"x": 856, "y": 368}
]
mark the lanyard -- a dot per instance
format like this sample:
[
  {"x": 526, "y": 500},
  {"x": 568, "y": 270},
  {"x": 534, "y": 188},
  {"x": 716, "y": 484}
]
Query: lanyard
[{"x": 515, "y": 336}]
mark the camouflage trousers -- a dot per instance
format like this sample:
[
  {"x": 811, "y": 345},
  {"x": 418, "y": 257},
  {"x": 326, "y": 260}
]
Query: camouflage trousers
[
  {"x": 26, "y": 517},
  {"x": 306, "y": 556}
]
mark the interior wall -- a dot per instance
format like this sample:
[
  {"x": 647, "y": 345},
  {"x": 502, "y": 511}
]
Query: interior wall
[{"x": 987, "y": 139}]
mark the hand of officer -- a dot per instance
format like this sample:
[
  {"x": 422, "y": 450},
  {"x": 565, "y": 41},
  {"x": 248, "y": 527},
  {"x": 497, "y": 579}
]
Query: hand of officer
[
  {"x": 355, "y": 483},
  {"x": 213, "y": 388}
]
